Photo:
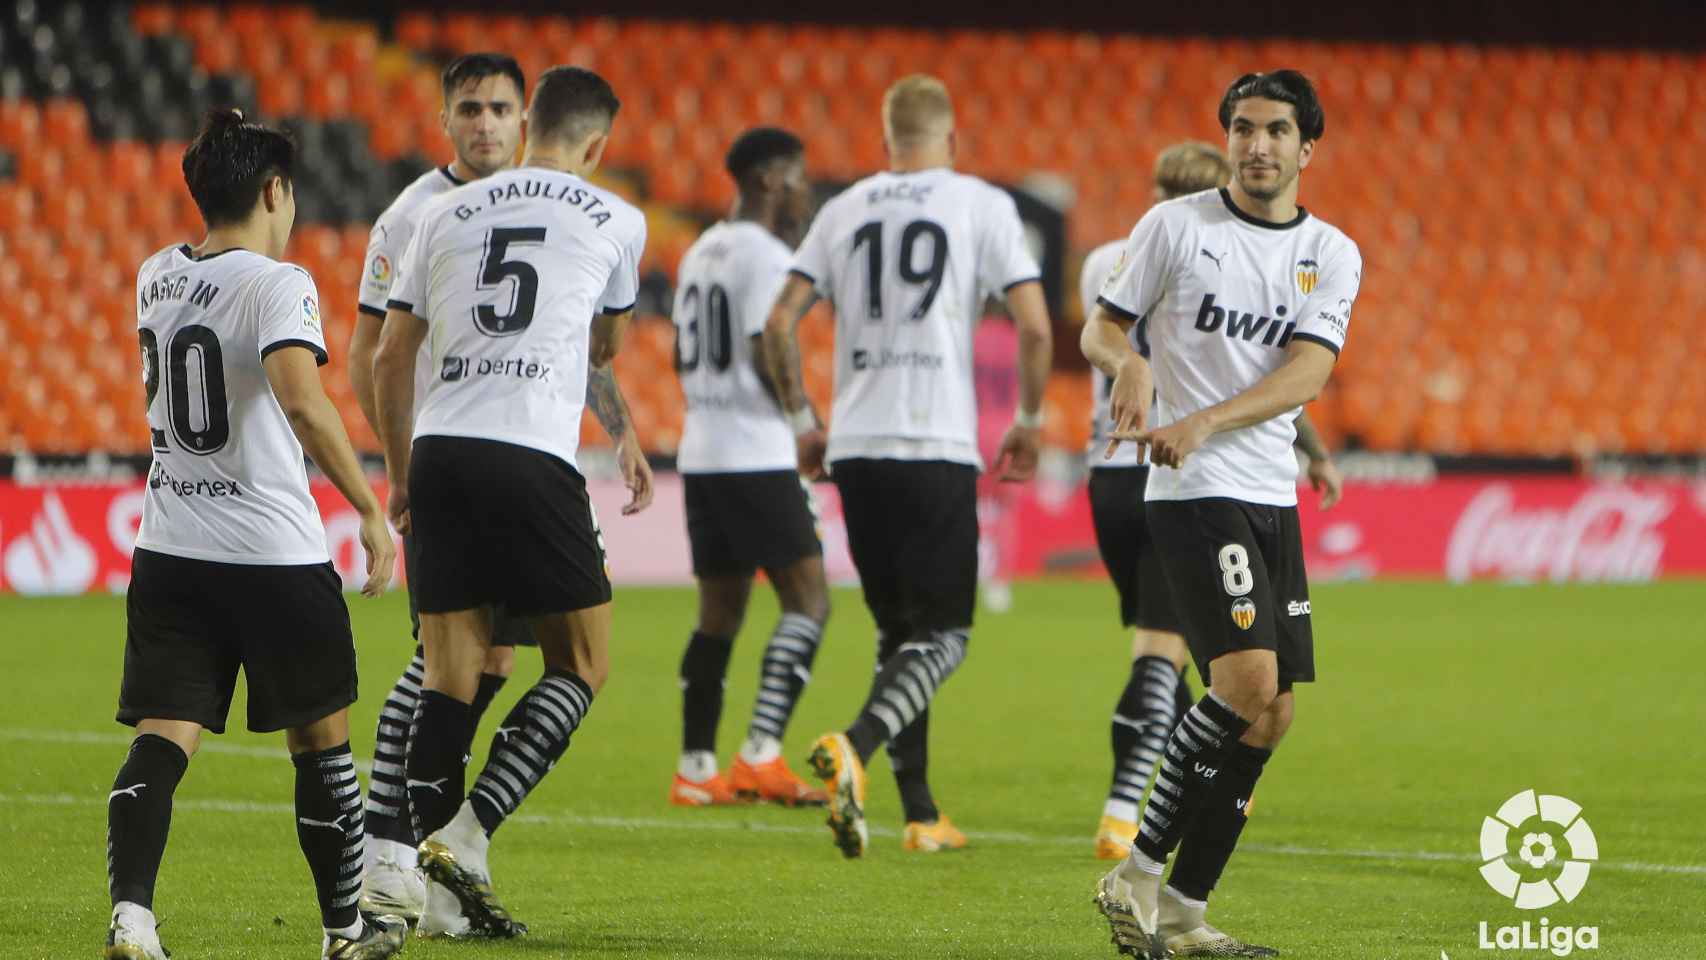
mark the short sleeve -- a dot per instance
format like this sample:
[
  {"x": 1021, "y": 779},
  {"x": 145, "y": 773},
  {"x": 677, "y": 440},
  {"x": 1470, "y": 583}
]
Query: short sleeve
[
  {"x": 408, "y": 288},
  {"x": 622, "y": 290},
  {"x": 1140, "y": 277},
  {"x": 1326, "y": 315},
  {"x": 1095, "y": 272},
  {"x": 379, "y": 266},
  {"x": 1005, "y": 259},
  {"x": 812, "y": 260},
  {"x": 765, "y": 280},
  {"x": 288, "y": 313}
]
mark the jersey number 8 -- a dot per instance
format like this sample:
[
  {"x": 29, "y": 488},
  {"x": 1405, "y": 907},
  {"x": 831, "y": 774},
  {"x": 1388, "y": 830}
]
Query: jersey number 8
[{"x": 1235, "y": 570}]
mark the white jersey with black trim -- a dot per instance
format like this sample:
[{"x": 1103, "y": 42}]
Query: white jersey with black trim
[
  {"x": 508, "y": 273},
  {"x": 228, "y": 482},
  {"x": 908, "y": 260},
  {"x": 1225, "y": 293},
  {"x": 723, "y": 293},
  {"x": 385, "y": 245},
  {"x": 1097, "y": 266}
]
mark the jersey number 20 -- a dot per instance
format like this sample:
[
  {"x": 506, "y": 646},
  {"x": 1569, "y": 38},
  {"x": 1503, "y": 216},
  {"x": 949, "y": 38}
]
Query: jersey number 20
[
  {"x": 196, "y": 348},
  {"x": 870, "y": 236}
]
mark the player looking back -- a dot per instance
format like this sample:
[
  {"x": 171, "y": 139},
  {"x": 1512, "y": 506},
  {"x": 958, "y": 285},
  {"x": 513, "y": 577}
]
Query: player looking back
[
  {"x": 231, "y": 568},
  {"x": 1147, "y": 712},
  {"x": 747, "y": 507},
  {"x": 1248, "y": 298},
  {"x": 526, "y": 281},
  {"x": 483, "y": 98},
  {"x": 908, "y": 257}
]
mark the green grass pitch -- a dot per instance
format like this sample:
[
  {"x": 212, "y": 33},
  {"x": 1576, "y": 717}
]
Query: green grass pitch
[{"x": 1436, "y": 703}]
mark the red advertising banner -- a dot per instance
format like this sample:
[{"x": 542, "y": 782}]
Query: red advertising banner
[{"x": 74, "y": 538}]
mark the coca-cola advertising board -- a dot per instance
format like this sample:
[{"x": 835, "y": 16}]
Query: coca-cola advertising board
[{"x": 77, "y": 538}]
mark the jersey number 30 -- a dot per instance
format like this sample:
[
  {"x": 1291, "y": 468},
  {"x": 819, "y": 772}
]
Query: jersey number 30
[
  {"x": 706, "y": 329},
  {"x": 200, "y": 423}
]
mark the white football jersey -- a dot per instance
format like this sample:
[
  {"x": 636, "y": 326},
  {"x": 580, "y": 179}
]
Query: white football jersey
[
  {"x": 1225, "y": 293},
  {"x": 508, "y": 272},
  {"x": 1097, "y": 266},
  {"x": 228, "y": 481},
  {"x": 385, "y": 246},
  {"x": 723, "y": 293},
  {"x": 908, "y": 260}
]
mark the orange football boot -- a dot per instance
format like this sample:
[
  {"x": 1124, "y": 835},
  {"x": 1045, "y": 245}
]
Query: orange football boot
[
  {"x": 712, "y": 792},
  {"x": 1114, "y": 838},
  {"x": 773, "y": 782},
  {"x": 932, "y": 837}
]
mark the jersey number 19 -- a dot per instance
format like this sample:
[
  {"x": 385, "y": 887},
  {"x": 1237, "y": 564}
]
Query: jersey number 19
[{"x": 870, "y": 236}]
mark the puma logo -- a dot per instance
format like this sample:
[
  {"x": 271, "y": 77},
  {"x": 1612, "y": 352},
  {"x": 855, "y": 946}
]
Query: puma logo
[
  {"x": 504, "y": 732},
  {"x": 436, "y": 786},
  {"x": 336, "y": 823},
  {"x": 130, "y": 792},
  {"x": 1217, "y": 264}
]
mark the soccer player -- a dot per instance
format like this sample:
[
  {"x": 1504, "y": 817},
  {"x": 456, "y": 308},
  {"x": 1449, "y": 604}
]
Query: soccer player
[
  {"x": 526, "y": 281},
  {"x": 1157, "y": 692},
  {"x": 1249, "y": 299},
  {"x": 483, "y": 98},
  {"x": 231, "y": 567},
  {"x": 747, "y": 507},
  {"x": 908, "y": 257}
]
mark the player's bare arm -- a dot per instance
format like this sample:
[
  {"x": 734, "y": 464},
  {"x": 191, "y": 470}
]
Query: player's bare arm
[
  {"x": 1106, "y": 342},
  {"x": 295, "y": 379},
  {"x": 394, "y": 400},
  {"x": 1297, "y": 381},
  {"x": 1017, "y": 460},
  {"x": 782, "y": 354},
  {"x": 604, "y": 398},
  {"x": 1322, "y": 472},
  {"x": 363, "y": 341}
]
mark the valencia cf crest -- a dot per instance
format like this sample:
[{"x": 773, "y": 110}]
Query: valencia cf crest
[
  {"x": 1243, "y": 613},
  {"x": 1308, "y": 272}
]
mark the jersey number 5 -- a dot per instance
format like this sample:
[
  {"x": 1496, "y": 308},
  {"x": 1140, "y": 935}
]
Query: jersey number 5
[
  {"x": 870, "y": 236},
  {"x": 495, "y": 268},
  {"x": 200, "y": 423}
]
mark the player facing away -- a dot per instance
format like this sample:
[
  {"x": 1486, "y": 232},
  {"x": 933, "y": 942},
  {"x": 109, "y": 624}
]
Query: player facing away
[
  {"x": 1146, "y": 713},
  {"x": 908, "y": 257},
  {"x": 747, "y": 507},
  {"x": 1249, "y": 299},
  {"x": 484, "y": 95},
  {"x": 526, "y": 281},
  {"x": 231, "y": 568}
]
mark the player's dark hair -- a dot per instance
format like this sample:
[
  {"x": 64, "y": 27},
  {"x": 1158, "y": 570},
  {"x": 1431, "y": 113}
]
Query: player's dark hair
[
  {"x": 757, "y": 147},
  {"x": 479, "y": 66},
  {"x": 1286, "y": 86},
  {"x": 570, "y": 103},
  {"x": 229, "y": 162}
]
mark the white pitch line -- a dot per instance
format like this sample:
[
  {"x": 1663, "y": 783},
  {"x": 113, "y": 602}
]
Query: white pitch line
[
  {"x": 731, "y": 826},
  {"x": 88, "y": 737}
]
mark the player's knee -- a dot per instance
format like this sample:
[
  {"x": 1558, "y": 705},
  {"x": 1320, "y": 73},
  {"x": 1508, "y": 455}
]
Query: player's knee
[
  {"x": 1160, "y": 643},
  {"x": 500, "y": 661},
  {"x": 186, "y": 735}
]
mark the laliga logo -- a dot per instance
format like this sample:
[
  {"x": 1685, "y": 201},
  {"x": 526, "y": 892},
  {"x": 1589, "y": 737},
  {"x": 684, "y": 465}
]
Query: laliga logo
[{"x": 1537, "y": 851}]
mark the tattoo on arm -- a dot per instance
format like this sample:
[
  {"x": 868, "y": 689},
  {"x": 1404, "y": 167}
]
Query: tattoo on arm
[
  {"x": 1309, "y": 440},
  {"x": 605, "y": 399}
]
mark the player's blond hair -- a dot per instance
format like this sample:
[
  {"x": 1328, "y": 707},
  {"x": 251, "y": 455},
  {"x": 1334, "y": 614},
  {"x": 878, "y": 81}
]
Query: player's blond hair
[
  {"x": 917, "y": 109},
  {"x": 1191, "y": 167}
]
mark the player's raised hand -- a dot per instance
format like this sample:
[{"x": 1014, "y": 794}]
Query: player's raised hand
[
  {"x": 636, "y": 473},
  {"x": 1128, "y": 403},
  {"x": 1170, "y": 445},
  {"x": 381, "y": 553},
  {"x": 397, "y": 507},
  {"x": 810, "y": 448},
  {"x": 1017, "y": 460},
  {"x": 1324, "y": 476}
]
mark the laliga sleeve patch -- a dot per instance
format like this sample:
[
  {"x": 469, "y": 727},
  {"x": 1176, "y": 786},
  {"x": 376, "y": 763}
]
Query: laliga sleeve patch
[{"x": 310, "y": 313}]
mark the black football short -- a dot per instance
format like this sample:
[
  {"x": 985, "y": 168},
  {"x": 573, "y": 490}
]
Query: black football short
[
  {"x": 912, "y": 531},
  {"x": 1128, "y": 551},
  {"x": 507, "y": 631},
  {"x": 1237, "y": 577},
  {"x": 738, "y": 523},
  {"x": 190, "y": 624},
  {"x": 502, "y": 524}
]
